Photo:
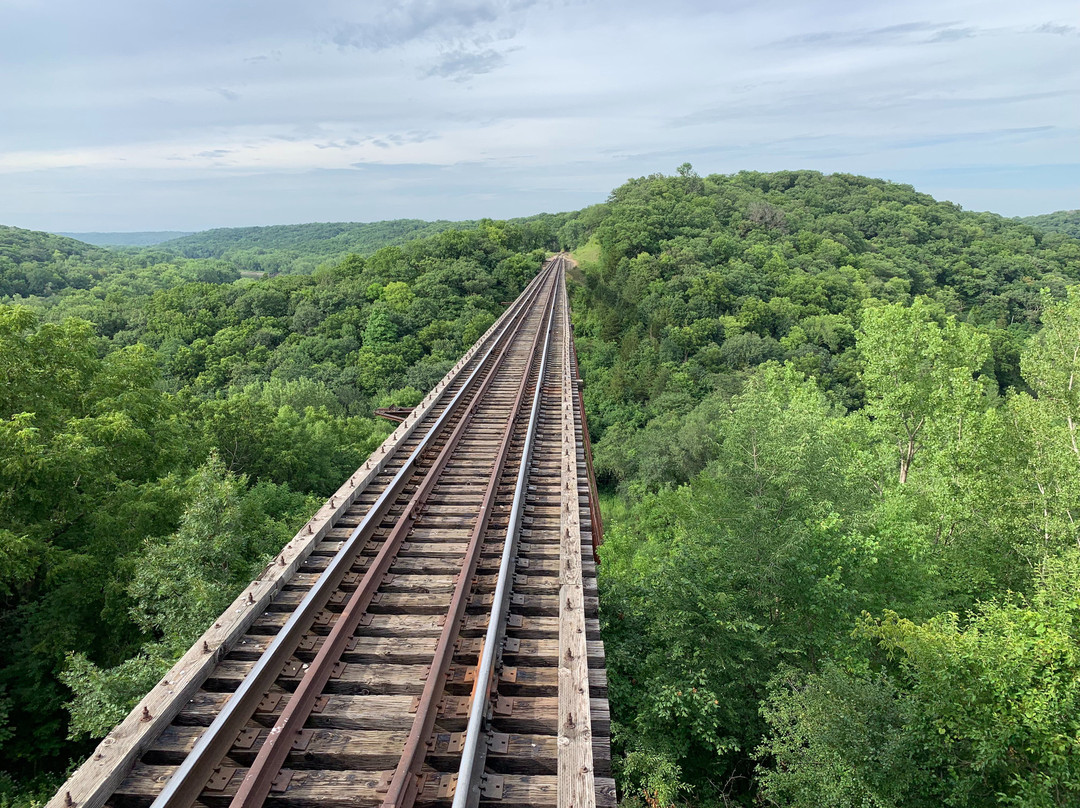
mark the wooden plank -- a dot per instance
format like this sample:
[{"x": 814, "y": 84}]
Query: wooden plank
[
  {"x": 318, "y": 789},
  {"x": 396, "y": 625},
  {"x": 576, "y": 772},
  {"x": 389, "y": 680},
  {"x": 375, "y": 678},
  {"x": 325, "y": 748},
  {"x": 346, "y": 711},
  {"x": 400, "y": 650},
  {"x": 337, "y": 748},
  {"x": 343, "y": 711}
]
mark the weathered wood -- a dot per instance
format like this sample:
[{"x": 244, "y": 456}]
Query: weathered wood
[
  {"x": 539, "y": 603},
  {"x": 340, "y": 748},
  {"x": 539, "y": 715},
  {"x": 399, "y": 625},
  {"x": 403, "y": 650},
  {"x": 576, "y": 772},
  {"x": 324, "y": 748},
  {"x": 372, "y": 677},
  {"x": 383, "y": 679},
  {"x": 318, "y": 789}
]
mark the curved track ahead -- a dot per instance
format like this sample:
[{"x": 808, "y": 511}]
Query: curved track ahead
[{"x": 434, "y": 641}]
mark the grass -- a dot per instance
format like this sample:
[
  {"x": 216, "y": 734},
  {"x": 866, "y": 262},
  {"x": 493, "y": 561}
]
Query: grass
[
  {"x": 588, "y": 253},
  {"x": 613, "y": 507}
]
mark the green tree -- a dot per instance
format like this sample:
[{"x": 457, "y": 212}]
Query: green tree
[
  {"x": 922, "y": 379},
  {"x": 975, "y": 711}
]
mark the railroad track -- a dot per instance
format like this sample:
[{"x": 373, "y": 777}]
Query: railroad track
[{"x": 430, "y": 637}]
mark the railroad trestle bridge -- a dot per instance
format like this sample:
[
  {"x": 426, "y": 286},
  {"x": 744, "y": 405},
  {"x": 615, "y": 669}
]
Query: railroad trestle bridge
[{"x": 429, "y": 637}]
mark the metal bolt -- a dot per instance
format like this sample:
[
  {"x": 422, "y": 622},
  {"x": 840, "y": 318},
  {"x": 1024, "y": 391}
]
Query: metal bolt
[
  {"x": 251, "y": 599},
  {"x": 205, "y": 647},
  {"x": 145, "y": 714},
  {"x": 67, "y": 799}
]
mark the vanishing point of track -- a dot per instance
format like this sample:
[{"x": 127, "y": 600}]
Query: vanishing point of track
[{"x": 429, "y": 638}]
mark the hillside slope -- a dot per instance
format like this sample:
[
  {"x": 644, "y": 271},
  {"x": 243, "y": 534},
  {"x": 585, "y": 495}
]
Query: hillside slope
[
  {"x": 35, "y": 263},
  {"x": 164, "y": 442},
  {"x": 51, "y": 270},
  {"x": 146, "y": 238},
  {"x": 834, "y": 429},
  {"x": 1066, "y": 222},
  {"x": 298, "y": 247},
  {"x": 833, "y": 420}
]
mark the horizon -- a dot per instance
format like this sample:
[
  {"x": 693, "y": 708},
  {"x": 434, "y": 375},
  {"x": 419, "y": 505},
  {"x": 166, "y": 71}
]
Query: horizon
[{"x": 128, "y": 118}]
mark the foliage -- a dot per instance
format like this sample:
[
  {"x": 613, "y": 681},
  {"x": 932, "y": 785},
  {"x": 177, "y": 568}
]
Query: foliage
[
  {"x": 814, "y": 397},
  {"x": 102, "y": 698},
  {"x": 38, "y": 266},
  {"x": 301, "y": 247},
  {"x": 145, "y": 238},
  {"x": 1066, "y": 222},
  {"x": 656, "y": 777},
  {"x": 977, "y": 711}
]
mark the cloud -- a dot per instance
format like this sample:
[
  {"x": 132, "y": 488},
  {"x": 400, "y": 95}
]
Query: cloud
[
  {"x": 1057, "y": 28},
  {"x": 348, "y": 143},
  {"x": 909, "y": 32},
  {"x": 461, "y": 65},
  {"x": 952, "y": 34},
  {"x": 401, "y": 23},
  {"x": 533, "y": 94}
]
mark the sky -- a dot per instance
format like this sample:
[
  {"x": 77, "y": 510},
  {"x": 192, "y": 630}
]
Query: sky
[{"x": 121, "y": 116}]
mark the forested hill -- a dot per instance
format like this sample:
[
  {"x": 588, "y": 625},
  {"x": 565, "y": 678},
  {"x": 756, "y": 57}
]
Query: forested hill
[
  {"x": 1062, "y": 221},
  {"x": 300, "y": 248},
  {"x": 18, "y": 247},
  {"x": 295, "y": 247},
  {"x": 52, "y": 269},
  {"x": 146, "y": 238},
  {"x": 33, "y": 262},
  {"x": 835, "y": 422}
]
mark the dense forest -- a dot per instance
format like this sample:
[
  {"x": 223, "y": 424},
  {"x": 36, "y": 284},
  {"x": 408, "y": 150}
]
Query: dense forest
[
  {"x": 1062, "y": 221},
  {"x": 302, "y": 247},
  {"x": 834, "y": 423},
  {"x": 839, "y": 421},
  {"x": 144, "y": 238}
]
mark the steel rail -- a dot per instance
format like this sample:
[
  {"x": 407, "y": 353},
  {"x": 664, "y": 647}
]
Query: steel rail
[
  {"x": 188, "y": 781},
  {"x": 467, "y": 790},
  {"x": 405, "y": 782}
]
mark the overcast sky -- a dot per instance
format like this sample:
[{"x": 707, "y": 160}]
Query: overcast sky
[{"x": 123, "y": 115}]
